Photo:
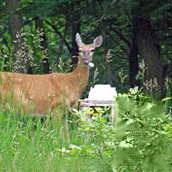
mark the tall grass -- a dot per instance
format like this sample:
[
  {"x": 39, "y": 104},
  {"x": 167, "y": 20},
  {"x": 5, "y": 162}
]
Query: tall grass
[
  {"x": 140, "y": 140},
  {"x": 28, "y": 144}
]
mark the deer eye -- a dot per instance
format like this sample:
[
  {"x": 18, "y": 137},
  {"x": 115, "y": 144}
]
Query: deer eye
[{"x": 92, "y": 50}]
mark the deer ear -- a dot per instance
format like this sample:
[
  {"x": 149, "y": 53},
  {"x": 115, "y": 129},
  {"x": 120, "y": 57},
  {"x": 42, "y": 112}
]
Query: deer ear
[
  {"x": 98, "y": 41},
  {"x": 78, "y": 40}
]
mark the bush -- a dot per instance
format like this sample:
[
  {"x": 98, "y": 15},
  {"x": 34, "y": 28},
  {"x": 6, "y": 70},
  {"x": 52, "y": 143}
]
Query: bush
[{"x": 142, "y": 134}]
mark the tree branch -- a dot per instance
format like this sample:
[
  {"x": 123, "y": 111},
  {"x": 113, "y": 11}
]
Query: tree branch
[
  {"x": 122, "y": 48},
  {"x": 120, "y": 35},
  {"x": 60, "y": 35}
]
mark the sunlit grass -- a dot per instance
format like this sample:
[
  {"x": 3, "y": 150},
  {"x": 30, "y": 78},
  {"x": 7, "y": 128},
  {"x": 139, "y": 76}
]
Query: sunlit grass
[{"x": 29, "y": 144}]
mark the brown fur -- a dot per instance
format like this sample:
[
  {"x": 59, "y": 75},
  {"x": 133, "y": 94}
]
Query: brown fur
[{"x": 44, "y": 91}]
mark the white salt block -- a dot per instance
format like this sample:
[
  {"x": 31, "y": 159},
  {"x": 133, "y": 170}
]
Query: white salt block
[{"x": 102, "y": 92}]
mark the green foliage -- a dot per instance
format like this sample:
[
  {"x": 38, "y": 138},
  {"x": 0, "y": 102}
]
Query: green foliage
[
  {"x": 142, "y": 134},
  {"x": 94, "y": 124},
  {"x": 111, "y": 19},
  {"x": 140, "y": 139}
]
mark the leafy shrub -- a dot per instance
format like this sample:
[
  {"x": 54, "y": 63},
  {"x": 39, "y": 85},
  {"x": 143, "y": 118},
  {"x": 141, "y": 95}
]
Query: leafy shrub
[
  {"x": 142, "y": 134},
  {"x": 140, "y": 140}
]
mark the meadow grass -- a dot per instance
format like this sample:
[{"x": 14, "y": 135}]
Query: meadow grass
[
  {"x": 28, "y": 144},
  {"x": 140, "y": 140}
]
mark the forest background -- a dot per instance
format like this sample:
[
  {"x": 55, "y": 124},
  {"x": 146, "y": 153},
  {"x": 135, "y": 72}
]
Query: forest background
[{"x": 38, "y": 37}]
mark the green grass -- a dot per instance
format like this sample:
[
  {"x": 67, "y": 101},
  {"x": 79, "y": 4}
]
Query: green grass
[
  {"x": 139, "y": 141},
  {"x": 28, "y": 144}
]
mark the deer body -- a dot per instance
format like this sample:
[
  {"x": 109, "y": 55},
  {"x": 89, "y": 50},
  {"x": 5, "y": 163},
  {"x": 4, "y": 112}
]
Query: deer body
[
  {"x": 41, "y": 93},
  {"x": 44, "y": 91}
]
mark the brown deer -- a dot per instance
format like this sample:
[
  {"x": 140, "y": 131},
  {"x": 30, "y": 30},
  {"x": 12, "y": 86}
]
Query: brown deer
[{"x": 42, "y": 93}]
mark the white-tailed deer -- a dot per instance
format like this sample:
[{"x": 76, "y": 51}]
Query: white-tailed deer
[{"x": 42, "y": 93}]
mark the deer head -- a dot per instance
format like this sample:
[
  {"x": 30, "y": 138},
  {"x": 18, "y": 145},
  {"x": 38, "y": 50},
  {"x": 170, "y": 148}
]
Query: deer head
[{"x": 86, "y": 51}]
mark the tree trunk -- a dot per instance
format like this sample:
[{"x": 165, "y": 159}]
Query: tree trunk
[
  {"x": 133, "y": 61},
  {"x": 108, "y": 66},
  {"x": 74, "y": 20},
  {"x": 75, "y": 29},
  {"x": 149, "y": 50},
  {"x": 15, "y": 26}
]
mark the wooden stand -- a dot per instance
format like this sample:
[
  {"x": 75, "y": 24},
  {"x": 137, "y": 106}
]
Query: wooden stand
[{"x": 85, "y": 103}]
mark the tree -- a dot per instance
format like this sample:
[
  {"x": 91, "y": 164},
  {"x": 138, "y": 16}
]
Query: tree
[
  {"x": 15, "y": 27},
  {"x": 149, "y": 49},
  {"x": 132, "y": 30}
]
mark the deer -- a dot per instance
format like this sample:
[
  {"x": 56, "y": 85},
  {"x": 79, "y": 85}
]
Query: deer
[{"x": 50, "y": 92}]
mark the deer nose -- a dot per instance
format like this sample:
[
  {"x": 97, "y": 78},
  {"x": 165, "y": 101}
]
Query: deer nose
[{"x": 86, "y": 54}]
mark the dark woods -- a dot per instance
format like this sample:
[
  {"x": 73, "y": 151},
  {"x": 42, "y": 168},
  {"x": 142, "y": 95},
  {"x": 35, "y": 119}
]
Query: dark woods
[{"x": 39, "y": 37}]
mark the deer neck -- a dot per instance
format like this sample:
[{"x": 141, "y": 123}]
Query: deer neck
[{"x": 81, "y": 75}]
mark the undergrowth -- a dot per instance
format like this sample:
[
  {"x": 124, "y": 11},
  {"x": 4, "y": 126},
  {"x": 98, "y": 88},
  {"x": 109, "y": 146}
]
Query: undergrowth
[
  {"x": 139, "y": 141},
  {"x": 143, "y": 134}
]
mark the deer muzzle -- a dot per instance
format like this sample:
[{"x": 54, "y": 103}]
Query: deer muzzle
[{"x": 87, "y": 59}]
